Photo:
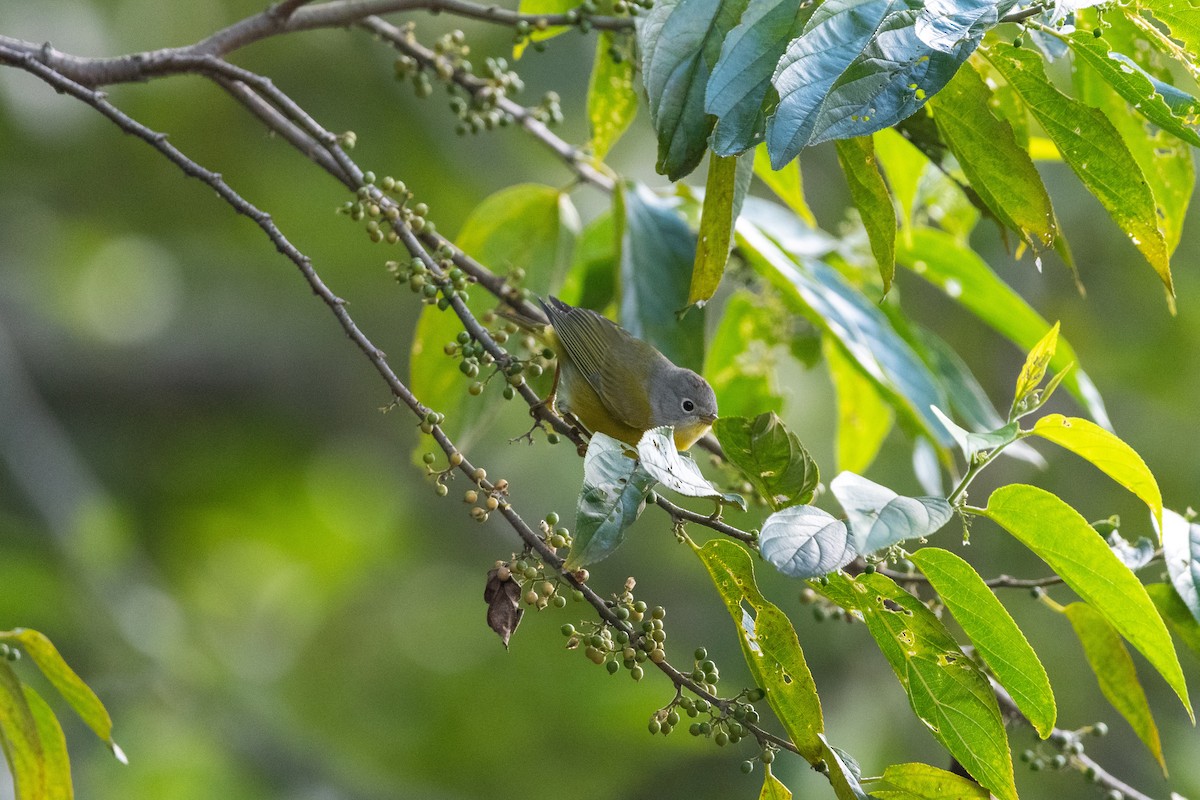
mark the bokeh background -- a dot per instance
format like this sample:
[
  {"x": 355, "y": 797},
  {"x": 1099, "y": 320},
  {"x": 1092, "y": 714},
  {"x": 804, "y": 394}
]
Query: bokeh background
[{"x": 202, "y": 504}]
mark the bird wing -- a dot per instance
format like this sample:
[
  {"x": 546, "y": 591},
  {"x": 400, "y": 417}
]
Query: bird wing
[{"x": 596, "y": 346}]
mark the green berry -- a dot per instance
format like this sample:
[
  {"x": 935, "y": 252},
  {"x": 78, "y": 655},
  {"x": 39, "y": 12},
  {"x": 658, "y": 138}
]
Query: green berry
[{"x": 747, "y": 767}]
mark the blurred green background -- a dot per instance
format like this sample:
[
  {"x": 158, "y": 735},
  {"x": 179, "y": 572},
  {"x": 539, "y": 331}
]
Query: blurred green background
[{"x": 202, "y": 505}]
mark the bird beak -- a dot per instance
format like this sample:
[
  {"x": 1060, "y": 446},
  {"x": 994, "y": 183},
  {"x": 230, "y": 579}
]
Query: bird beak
[{"x": 709, "y": 418}]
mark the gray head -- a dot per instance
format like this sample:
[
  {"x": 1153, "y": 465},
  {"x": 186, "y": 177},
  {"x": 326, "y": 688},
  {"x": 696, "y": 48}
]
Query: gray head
[{"x": 683, "y": 399}]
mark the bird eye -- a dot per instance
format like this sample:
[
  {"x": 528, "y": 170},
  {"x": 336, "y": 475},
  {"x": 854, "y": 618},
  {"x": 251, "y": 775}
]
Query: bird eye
[{"x": 688, "y": 406}]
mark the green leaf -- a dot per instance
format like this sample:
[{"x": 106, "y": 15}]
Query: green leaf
[
  {"x": 1093, "y": 148},
  {"x": 1181, "y": 553},
  {"x": 1176, "y": 614},
  {"x": 861, "y": 66},
  {"x": 864, "y": 417},
  {"x": 1114, "y": 669},
  {"x": 741, "y": 78},
  {"x": 527, "y": 226},
  {"x": 656, "y": 253},
  {"x": 1107, "y": 453},
  {"x": 716, "y": 229},
  {"x": 805, "y": 542},
  {"x": 972, "y": 444},
  {"x": 787, "y": 183},
  {"x": 832, "y": 303},
  {"x": 680, "y": 42},
  {"x": 923, "y": 782},
  {"x": 611, "y": 100},
  {"x": 770, "y": 456},
  {"x": 677, "y": 471},
  {"x": 72, "y": 688},
  {"x": 21, "y": 739},
  {"x": 1166, "y": 161},
  {"x": 947, "y": 691},
  {"x": 773, "y": 788},
  {"x": 903, "y": 164},
  {"x": 879, "y": 518},
  {"x": 591, "y": 280},
  {"x": 1064, "y": 540},
  {"x": 995, "y": 635},
  {"x": 614, "y": 493},
  {"x": 998, "y": 168},
  {"x": 542, "y": 7},
  {"x": 1130, "y": 82},
  {"x": 1180, "y": 17},
  {"x": 56, "y": 764},
  {"x": 873, "y": 201},
  {"x": 741, "y": 362},
  {"x": 843, "y": 773},
  {"x": 966, "y": 278},
  {"x": 769, "y": 644}
]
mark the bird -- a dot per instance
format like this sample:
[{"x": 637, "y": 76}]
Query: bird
[{"x": 616, "y": 384}]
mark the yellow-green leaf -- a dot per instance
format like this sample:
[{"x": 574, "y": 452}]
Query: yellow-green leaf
[
  {"x": 21, "y": 738},
  {"x": 1035, "y": 365},
  {"x": 994, "y": 632},
  {"x": 773, "y": 788},
  {"x": 1107, "y": 453},
  {"x": 55, "y": 762},
  {"x": 864, "y": 417},
  {"x": 787, "y": 183},
  {"x": 611, "y": 100},
  {"x": 873, "y": 200},
  {"x": 923, "y": 782},
  {"x": 716, "y": 228},
  {"x": 1114, "y": 669},
  {"x": 1062, "y": 538},
  {"x": 769, "y": 645}
]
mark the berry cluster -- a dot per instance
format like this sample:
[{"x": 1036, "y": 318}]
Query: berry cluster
[
  {"x": 539, "y": 588},
  {"x": 618, "y": 647},
  {"x": 382, "y": 205}
]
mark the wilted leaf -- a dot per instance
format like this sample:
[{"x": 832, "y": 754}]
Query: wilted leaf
[
  {"x": 805, "y": 542},
  {"x": 721, "y": 207},
  {"x": 879, "y": 518},
  {"x": 614, "y": 493},
  {"x": 503, "y": 596},
  {"x": 770, "y": 456}
]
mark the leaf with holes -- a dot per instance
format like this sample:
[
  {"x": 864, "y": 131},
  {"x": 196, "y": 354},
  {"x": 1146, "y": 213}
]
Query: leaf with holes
[
  {"x": 769, "y": 644},
  {"x": 770, "y": 456},
  {"x": 947, "y": 691},
  {"x": 994, "y": 632}
]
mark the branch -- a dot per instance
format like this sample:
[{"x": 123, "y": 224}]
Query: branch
[
  {"x": 999, "y": 582},
  {"x": 1081, "y": 761},
  {"x": 274, "y": 21}
]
